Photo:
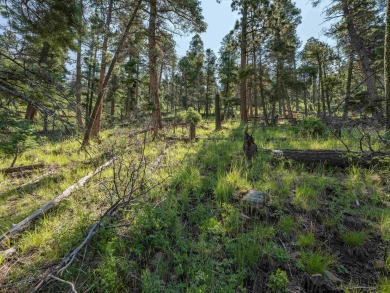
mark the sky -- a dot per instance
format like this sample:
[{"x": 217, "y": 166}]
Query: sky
[{"x": 221, "y": 20}]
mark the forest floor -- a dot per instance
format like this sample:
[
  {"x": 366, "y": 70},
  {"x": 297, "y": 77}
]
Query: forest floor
[{"x": 185, "y": 226}]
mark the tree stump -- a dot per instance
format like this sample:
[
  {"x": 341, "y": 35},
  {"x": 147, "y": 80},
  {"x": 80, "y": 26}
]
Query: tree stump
[{"x": 249, "y": 147}]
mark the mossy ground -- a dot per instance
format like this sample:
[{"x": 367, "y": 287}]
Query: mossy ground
[{"x": 192, "y": 233}]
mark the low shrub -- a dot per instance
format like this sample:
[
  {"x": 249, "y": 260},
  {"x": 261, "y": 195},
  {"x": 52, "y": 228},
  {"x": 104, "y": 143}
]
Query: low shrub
[
  {"x": 278, "y": 281},
  {"x": 311, "y": 126}
]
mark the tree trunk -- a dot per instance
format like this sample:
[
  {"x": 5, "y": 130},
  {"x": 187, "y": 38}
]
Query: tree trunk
[
  {"x": 243, "y": 102},
  {"x": 173, "y": 87},
  {"x": 31, "y": 111},
  {"x": 22, "y": 225},
  {"x": 154, "y": 92},
  {"x": 322, "y": 88},
  {"x": 295, "y": 79},
  {"x": 99, "y": 101},
  {"x": 349, "y": 83},
  {"x": 22, "y": 168},
  {"x": 327, "y": 98},
  {"x": 314, "y": 79},
  {"x": 249, "y": 103},
  {"x": 217, "y": 112},
  {"x": 44, "y": 55},
  {"x": 79, "y": 114},
  {"x": 136, "y": 92},
  {"x": 305, "y": 101},
  {"x": 101, "y": 89},
  {"x": 357, "y": 43},
  {"x": 387, "y": 65},
  {"x": 45, "y": 123},
  {"x": 207, "y": 95},
  {"x": 114, "y": 88},
  {"x": 192, "y": 131},
  {"x": 91, "y": 88},
  {"x": 262, "y": 96}
]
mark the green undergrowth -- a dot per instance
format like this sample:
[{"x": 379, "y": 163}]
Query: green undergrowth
[
  {"x": 202, "y": 238},
  {"x": 193, "y": 233}
]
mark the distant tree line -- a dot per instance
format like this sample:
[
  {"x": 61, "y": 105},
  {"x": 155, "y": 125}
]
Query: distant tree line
[{"x": 92, "y": 64}]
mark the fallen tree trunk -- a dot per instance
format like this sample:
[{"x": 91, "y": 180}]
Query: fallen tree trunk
[
  {"x": 21, "y": 226},
  {"x": 187, "y": 139},
  {"x": 334, "y": 158},
  {"x": 33, "y": 181},
  {"x": 22, "y": 168},
  {"x": 159, "y": 159}
]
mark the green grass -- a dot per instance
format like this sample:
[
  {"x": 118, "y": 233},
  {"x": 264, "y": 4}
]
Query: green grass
[
  {"x": 354, "y": 238},
  {"x": 306, "y": 197},
  {"x": 384, "y": 285},
  {"x": 306, "y": 240},
  {"x": 191, "y": 234},
  {"x": 385, "y": 225},
  {"x": 287, "y": 224},
  {"x": 316, "y": 262}
]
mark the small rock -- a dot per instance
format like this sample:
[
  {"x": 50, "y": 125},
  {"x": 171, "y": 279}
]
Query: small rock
[
  {"x": 255, "y": 198},
  {"x": 379, "y": 264},
  {"x": 332, "y": 278},
  {"x": 244, "y": 217},
  {"x": 295, "y": 254},
  {"x": 9, "y": 252}
]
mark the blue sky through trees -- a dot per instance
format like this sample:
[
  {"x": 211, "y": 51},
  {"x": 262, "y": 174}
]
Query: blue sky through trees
[{"x": 221, "y": 20}]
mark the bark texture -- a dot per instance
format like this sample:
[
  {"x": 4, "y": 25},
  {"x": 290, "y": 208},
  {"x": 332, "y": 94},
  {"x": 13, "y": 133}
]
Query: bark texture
[
  {"x": 387, "y": 65},
  {"x": 153, "y": 74},
  {"x": 335, "y": 158},
  {"x": 362, "y": 51},
  {"x": 243, "y": 102}
]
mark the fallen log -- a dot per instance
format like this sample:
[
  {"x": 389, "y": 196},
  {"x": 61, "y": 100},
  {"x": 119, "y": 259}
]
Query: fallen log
[
  {"x": 159, "y": 159},
  {"x": 187, "y": 139},
  {"x": 33, "y": 181},
  {"x": 335, "y": 158},
  {"x": 22, "y": 168},
  {"x": 22, "y": 225}
]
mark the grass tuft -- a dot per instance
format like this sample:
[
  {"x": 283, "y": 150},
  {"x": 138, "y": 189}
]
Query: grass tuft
[
  {"x": 306, "y": 240},
  {"x": 353, "y": 238},
  {"x": 306, "y": 198},
  {"x": 316, "y": 262}
]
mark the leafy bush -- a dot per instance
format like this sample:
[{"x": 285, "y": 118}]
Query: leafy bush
[
  {"x": 311, "y": 126},
  {"x": 276, "y": 252},
  {"x": 150, "y": 282},
  {"x": 14, "y": 132},
  {"x": 278, "y": 281},
  {"x": 192, "y": 116}
]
